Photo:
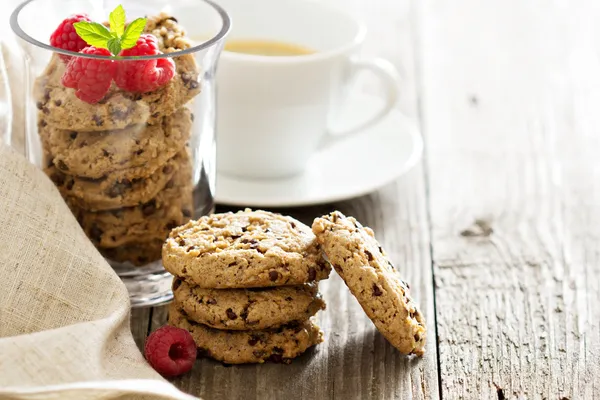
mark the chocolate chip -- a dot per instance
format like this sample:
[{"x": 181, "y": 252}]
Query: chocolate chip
[
  {"x": 149, "y": 208},
  {"x": 119, "y": 114},
  {"x": 43, "y": 123},
  {"x": 45, "y": 110},
  {"x": 96, "y": 233},
  {"x": 376, "y": 290},
  {"x": 293, "y": 224},
  {"x": 194, "y": 84},
  {"x": 172, "y": 19},
  {"x": 61, "y": 165},
  {"x": 201, "y": 352},
  {"x": 58, "y": 102},
  {"x": 191, "y": 248},
  {"x": 39, "y": 105},
  {"x": 276, "y": 358},
  {"x": 288, "y": 298},
  {"x": 232, "y": 264},
  {"x": 417, "y": 337},
  {"x": 211, "y": 301},
  {"x": 250, "y": 241},
  {"x": 369, "y": 255},
  {"x": 70, "y": 184},
  {"x": 105, "y": 153},
  {"x": 259, "y": 353},
  {"x": 273, "y": 275},
  {"x": 58, "y": 179},
  {"x": 231, "y": 314},
  {"x": 244, "y": 229},
  {"x": 46, "y": 95},
  {"x": 118, "y": 189},
  {"x": 312, "y": 274},
  {"x": 170, "y": 184},
  {"x": 181, "y": 242},
  {"x": 185, "y": 77},
  {"x": 167, "y": 169},
  {"x": 176, "y": 284},
  {"x": 98, "y": 120},
  {"x": 73, "y": 135},
  {"x": 381, "y": 250},
  {"x": 253, "y": 340},
  {"x": 172, "y": 225}
]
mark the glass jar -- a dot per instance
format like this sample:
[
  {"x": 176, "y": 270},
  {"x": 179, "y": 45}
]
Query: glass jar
[{"x": 132, "y": 158}]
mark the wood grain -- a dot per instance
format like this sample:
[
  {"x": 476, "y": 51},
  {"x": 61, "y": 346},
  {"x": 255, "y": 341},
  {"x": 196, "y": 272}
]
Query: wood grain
[{"x": 510, "y": 112}]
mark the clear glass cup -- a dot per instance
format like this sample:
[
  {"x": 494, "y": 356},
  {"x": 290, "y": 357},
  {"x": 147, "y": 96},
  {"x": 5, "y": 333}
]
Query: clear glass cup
[{"x": 133, "y": 164}]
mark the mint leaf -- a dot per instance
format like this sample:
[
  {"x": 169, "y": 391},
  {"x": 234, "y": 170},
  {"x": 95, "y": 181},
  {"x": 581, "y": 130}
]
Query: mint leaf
[
  {"x": 114, "y": 46},
  {"x": 93, "y": 33},
  {"x": 117, "y": 20},
  {"x": 132, "y": 33}
]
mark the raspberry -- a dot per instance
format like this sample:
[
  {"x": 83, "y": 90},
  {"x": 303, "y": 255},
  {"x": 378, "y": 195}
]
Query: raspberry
[
  {"x": 90, "y": 77},
  {"x": 144, "y": 75},
  {"x": 171, "y": 351},
  {"x": 65, "y": 37}
]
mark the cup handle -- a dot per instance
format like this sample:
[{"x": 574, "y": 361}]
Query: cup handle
[{"x": 390, "y": 80}]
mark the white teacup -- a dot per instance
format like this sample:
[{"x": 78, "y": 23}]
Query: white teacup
[{"x": 274, "y": 112}]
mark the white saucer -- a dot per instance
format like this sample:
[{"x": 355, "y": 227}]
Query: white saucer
[{"x": 351, "y": 168}]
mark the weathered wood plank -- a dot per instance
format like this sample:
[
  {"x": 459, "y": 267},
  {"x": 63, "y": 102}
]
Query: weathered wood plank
[{"x": 510, "y": 110}]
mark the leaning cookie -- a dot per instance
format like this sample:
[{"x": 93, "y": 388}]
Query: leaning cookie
[
  {"x": 247, "y": 309},
  {"x": 361, "y": 262},
  {"x": 241, "y": 347},
  {"x": 247, "y": 249}
]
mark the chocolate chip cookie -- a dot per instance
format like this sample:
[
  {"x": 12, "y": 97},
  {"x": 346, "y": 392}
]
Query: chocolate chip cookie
[
  {"x": 247, "y": 309},
  {"x": 361, "y": 262},
  {"x": 238, "y": 347},
  {"x": 119, "y": 109},
  {"x": 152, "y": 220},
  {"x": 244, "y": 250},
  {"x": 97, "y": 154},
  {"x": 119, "y": 189}
]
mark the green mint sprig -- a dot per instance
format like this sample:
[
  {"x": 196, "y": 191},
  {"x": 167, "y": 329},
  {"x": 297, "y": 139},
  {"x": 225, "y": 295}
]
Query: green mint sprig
[{"x": 117, "y": 38}]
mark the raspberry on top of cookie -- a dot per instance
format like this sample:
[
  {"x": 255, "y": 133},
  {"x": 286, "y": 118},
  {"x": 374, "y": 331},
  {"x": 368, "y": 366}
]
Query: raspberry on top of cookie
[{"x": 371, "y": 277}]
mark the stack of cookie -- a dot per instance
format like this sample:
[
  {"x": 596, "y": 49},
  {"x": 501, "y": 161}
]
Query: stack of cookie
[
  {"x": 122, "y": 164},
  {"x": 246, "y": 285}
]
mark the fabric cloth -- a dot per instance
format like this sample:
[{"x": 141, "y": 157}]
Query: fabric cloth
[{"x": 64, "y": 313}]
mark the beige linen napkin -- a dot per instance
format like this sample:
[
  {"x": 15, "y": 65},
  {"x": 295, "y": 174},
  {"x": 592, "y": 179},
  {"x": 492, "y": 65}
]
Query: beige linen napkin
[{"x": 64, "y": 313}]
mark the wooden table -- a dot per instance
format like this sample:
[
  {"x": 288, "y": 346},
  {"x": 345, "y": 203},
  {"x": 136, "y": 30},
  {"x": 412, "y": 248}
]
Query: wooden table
[{"x": 498, "y": 230}]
